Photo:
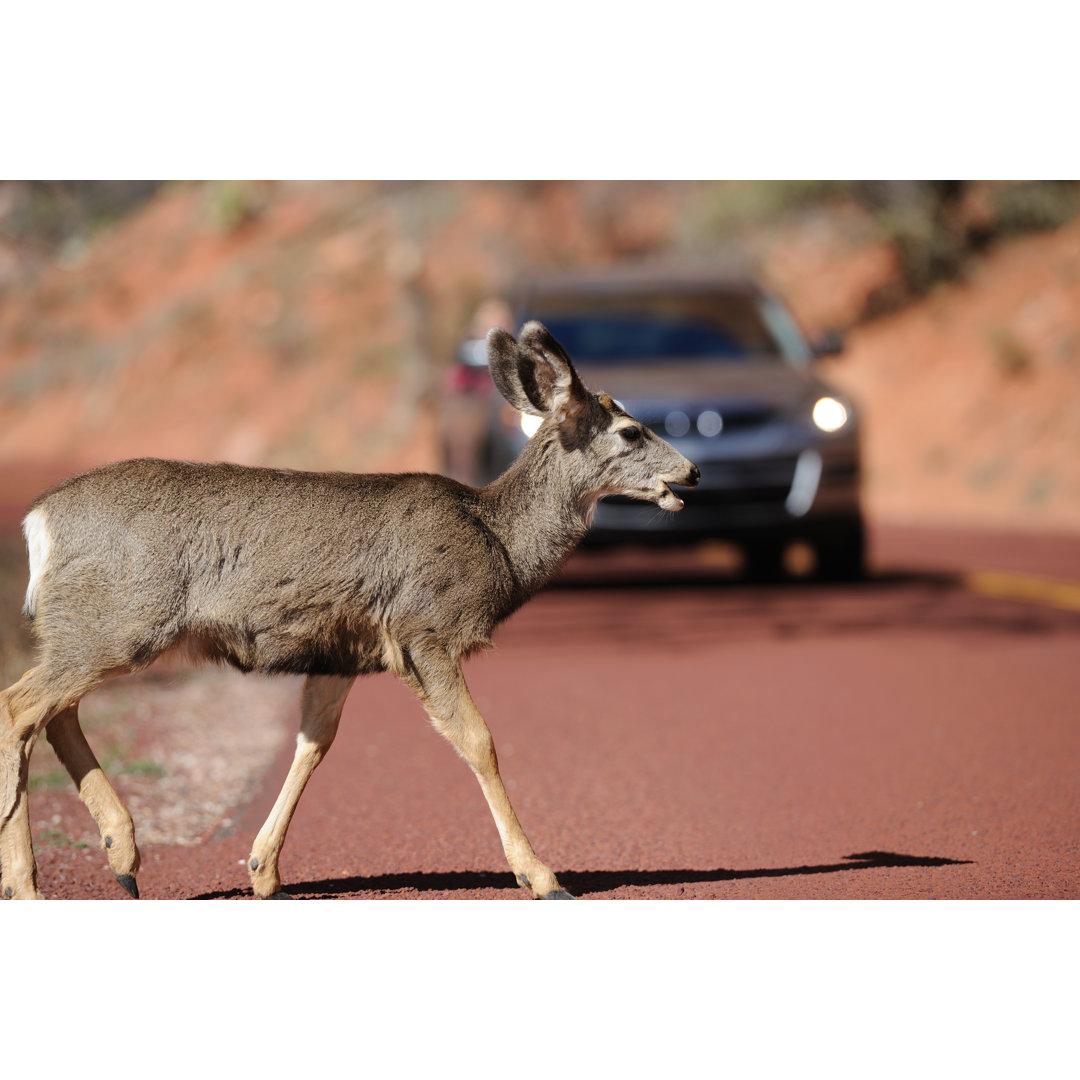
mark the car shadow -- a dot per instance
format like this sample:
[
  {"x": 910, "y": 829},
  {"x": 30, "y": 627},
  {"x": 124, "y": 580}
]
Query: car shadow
[
  {"x": 578, "y": 580},
  {"x": 691, "y": 606},
  {"x": 581, "y": 883}
]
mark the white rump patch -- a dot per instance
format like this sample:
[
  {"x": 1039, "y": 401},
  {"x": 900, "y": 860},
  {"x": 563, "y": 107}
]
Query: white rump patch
[{"x": 38, "y": 546}]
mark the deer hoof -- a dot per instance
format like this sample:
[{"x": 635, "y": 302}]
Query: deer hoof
[
  {"x": 129, "y": 883},
  {"x": 281, "y": 894},
  {"x": 558, "y": 894}
]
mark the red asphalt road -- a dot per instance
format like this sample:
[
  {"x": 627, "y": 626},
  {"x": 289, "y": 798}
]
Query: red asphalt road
[{"x": 685, "y": 735}]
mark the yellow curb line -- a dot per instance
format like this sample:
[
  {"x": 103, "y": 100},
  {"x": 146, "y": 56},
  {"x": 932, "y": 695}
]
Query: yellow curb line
[{"x": 1031, "y": 587}]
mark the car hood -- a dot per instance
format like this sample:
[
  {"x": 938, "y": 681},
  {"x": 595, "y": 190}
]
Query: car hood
[{"x": 774, "y": 385}]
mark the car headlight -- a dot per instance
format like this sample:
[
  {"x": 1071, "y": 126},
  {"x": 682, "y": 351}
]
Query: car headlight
[
  {"x": 829, "y": 415},
  {"x": 530, "y": 424}
]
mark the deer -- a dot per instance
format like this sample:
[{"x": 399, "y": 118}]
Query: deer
[{"x": 328, "y": 575}]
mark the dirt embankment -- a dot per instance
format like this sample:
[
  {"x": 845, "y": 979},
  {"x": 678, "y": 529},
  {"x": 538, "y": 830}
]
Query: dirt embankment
[{"x": 972, "y": 398}]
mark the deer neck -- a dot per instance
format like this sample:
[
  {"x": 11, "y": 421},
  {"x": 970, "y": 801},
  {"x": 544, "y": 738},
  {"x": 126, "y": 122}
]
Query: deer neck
[{"x": 539, "y": 511}]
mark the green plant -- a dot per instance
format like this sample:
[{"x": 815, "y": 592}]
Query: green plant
[
  {"x": 1034, "y": 205},
  {"x": 734, "y": 203},
  {"x": 1011, "y": 358},
  {"x": 48, "y": 214},
  {"x": 59, "y": 838},
  {"x": 935, "y": 230},
  {"x": 232, "y": 204},
  {"x": 144, "y": 768},
  {"x": 53, "y": 780},
  {"x": 1041, "y": 488},
  {"x": 928, "y": 250}
]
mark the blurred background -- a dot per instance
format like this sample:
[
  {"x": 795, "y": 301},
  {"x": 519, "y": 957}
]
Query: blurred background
[
  {"x": 310, "y": 324},
  {"x": 317, "y": 324}
]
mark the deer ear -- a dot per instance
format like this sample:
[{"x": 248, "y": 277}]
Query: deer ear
[
  {"x": 504, "y": 362},
  {"x": 534, "y": 374},
  {"x": 547, "y": 376}
]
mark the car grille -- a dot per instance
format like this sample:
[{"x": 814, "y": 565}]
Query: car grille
[
  {"x": 713, "y": 421},
  {"x": 751, "y": 481}
]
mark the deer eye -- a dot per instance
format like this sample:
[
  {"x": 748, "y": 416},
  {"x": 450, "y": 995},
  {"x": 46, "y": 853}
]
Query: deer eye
[{"x": 630, "y": 434}]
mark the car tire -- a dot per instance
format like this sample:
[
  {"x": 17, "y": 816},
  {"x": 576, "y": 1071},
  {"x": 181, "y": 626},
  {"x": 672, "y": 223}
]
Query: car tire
[
  {"x": 842, "y": 556},
  {"x": 763, "y": 561}
]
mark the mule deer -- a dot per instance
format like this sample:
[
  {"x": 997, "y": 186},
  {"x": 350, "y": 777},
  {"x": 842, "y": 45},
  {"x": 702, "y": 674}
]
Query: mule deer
[{"x": 332, "y": 575}]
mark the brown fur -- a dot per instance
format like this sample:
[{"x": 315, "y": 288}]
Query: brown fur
[{"x": 330, "y": 575}]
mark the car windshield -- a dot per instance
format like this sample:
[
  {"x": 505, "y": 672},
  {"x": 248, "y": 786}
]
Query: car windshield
[{"x": 721, "y": 327}]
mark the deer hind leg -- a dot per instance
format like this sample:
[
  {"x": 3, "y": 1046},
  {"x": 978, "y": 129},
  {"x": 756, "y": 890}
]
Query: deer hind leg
[
  {"x": 18, "y": 871},
  {"x": 25, "y": 708},
  {"x": 66, "y": 737},
  {"x": 446, "y": 698},
  {"x": 321, "y": 704}
]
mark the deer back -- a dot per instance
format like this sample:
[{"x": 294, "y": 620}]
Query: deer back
[{"x": 266, "y": 569}]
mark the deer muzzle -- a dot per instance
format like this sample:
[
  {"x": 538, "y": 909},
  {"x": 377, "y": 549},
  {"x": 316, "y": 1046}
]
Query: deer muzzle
[{"x": 667, "y": 499}]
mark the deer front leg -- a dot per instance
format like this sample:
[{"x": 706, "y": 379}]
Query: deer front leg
[
  {"x": 321, "y": 704},
  {"x": 455, "y": 715},
  {"x": 114, "y": 822}
]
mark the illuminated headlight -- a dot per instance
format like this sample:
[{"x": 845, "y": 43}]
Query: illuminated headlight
[
  {"x": 530, "y": 424},
  {"x": 829, "y": 414}
]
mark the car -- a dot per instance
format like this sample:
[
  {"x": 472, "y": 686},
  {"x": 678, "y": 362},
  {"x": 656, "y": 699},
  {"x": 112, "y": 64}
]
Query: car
[{"x": 714, "y": 363}]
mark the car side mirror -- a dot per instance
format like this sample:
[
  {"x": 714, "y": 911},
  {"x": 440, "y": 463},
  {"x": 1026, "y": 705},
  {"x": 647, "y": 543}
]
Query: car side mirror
[
  {"x": 473, "y": 353},
  {"x": 831, "y": 343}
]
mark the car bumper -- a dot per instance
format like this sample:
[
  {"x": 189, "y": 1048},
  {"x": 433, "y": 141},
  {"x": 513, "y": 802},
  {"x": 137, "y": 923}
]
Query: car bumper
[{"x": 798, "y": 495}]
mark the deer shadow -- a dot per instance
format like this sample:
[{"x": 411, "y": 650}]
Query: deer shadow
[{"x": 580, "y": 883}]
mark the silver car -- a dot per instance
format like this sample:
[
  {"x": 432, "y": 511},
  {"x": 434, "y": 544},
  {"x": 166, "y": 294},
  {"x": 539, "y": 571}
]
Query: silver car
[{"x": 715, "y": 364}]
